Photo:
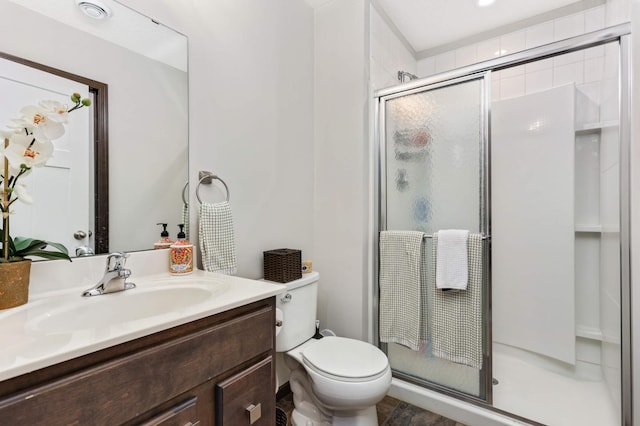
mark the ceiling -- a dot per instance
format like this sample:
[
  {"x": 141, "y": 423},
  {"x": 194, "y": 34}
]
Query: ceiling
[
  {"x": 427, "y": 24},
  {"x": 125, "y": 28},
  {"x": 424, "y": 24}
]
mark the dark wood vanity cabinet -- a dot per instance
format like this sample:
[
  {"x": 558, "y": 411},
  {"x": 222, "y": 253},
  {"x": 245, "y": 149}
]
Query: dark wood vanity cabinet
[{"x": 218, "y": 370}]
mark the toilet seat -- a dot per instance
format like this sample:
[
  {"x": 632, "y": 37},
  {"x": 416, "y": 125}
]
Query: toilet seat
[{"x": 345, "y": 359}]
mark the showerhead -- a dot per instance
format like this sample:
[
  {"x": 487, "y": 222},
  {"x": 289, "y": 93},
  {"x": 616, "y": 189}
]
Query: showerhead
[{"x": 405, "y": 76}]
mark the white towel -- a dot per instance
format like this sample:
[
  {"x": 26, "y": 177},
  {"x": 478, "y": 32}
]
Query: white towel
[
  {"x": 452, "y": 269},
  {"x": 217, "y": 245},
  {"x": 403, "y": 290}
]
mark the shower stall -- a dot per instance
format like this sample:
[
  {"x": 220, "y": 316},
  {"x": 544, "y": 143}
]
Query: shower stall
[{"x": 543, "y": 178}]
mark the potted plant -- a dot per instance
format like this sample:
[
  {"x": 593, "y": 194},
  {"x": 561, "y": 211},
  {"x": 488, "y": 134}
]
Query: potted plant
[{"x": 28, "y": 144}]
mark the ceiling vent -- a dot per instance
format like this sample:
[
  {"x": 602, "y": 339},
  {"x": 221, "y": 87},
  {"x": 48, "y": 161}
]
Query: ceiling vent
[{"x": 94, "y": 9}]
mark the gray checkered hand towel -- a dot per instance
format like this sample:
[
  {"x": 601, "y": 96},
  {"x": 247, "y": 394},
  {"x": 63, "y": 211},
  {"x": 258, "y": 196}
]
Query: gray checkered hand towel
[
  {"x": 402, "y": 289},
  {"x": 456, "y": 316},
  {"x": 217, "y": 244}
]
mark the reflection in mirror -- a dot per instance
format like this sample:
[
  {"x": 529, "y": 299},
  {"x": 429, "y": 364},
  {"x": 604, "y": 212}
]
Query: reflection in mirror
[
  {"x": 58, "y": 215},
  {"x": 144, "y": 66}
]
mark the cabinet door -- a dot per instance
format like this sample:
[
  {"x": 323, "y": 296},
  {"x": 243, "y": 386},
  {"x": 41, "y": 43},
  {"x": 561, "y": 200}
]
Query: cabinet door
[
  {"x": 248, "y": 398},
  {"x": 184, "y": 414}
]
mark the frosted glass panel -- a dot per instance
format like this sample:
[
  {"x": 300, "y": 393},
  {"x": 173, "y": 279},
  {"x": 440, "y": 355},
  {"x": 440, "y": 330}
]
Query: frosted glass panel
[
  {"x": 433, "y": 153},
  {"x": 433, "y": 159}
]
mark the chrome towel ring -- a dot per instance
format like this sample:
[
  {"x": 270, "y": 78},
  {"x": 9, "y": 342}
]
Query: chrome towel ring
[
  {"x": 206, "y": 178},
  {"x": 184, "y": 194}
]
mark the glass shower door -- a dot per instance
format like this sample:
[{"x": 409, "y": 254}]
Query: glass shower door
[{"x": 433, "y": 142}]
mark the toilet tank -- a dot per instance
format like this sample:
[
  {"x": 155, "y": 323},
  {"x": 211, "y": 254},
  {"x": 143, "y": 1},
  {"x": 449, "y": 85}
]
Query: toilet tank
[{"x": 298, "y": 306}]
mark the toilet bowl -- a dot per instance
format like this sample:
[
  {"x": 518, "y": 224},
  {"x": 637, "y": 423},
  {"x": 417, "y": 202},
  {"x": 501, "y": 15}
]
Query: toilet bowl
[
  {"x": 344, "y": 373},
  {"x": 334, "y": 380}
]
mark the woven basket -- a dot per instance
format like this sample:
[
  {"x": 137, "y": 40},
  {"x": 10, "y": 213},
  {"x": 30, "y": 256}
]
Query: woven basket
[{"x": 282, "y": 265}]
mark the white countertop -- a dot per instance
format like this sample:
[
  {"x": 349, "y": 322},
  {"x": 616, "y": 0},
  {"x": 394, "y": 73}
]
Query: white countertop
[{"x": 58, "y": 325}]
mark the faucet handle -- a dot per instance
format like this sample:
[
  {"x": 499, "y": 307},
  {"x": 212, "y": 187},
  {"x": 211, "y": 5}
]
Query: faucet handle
[{"x": 118, "y": 258}]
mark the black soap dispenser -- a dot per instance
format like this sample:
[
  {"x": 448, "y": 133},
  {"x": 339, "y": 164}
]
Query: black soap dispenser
[{"x": 164, "y": 242}]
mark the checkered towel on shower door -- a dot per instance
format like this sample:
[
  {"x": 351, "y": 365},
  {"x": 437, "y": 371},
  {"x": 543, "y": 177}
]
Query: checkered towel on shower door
[
  {"x": 456, "y": 316},
  {"x": 402, "y": 288}
]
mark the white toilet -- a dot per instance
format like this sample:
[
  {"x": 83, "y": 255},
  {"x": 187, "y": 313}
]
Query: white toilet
[{"x": 335, "y": 380}]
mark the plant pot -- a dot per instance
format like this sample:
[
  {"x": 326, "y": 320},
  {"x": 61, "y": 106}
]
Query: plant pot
[{"x": 14, "y": 283}]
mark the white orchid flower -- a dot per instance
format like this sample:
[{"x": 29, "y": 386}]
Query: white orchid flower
[
  {"x": 7, "y": 133},
  {"x": 23, "y": 195},
  {"x": 46, "y": 120},
  {"x": 55, "y": 111},
  {"x": 22, "y": 151},
  {"x": 28, "y": 145}
]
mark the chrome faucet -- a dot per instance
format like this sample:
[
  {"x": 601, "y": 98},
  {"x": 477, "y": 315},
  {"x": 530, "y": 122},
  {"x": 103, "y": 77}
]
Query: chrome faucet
[
  {"x": 115, "y": 277},
  {"x": 84, "y": 251}
]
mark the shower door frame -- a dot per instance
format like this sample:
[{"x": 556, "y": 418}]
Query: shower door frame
[
  {"x": 484, "y": 223},
  {"x": 618, "y": 33}
]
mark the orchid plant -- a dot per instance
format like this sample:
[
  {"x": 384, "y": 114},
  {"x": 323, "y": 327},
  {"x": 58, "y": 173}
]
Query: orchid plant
[{"x": 28, "y": 144}]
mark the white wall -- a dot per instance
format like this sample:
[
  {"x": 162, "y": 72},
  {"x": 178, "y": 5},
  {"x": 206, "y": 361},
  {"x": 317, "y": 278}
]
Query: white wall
[
  {"x": 341, "y": 165},
  {"x": 251, "y": 114},
  {"x": 254, "y": 120},
  {"x": 533, "y": 285},
  {"x": 388, "y": 54}
]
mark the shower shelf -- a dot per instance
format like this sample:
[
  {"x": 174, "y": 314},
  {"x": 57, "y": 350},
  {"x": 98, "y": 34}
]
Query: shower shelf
[
  {"x": 588, "y": 332},
  {"x": 588, "y": 228},
  {"x": 595, "y": 127},
  {"x": 611, "y": 229}
]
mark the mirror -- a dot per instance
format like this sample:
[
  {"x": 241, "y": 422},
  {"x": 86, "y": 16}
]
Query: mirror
[{"x": 137, "y": 168}]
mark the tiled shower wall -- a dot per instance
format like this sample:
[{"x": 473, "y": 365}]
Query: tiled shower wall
[
  {"x": 583, "y": 68},
  {"x": 389, "y": 55}
]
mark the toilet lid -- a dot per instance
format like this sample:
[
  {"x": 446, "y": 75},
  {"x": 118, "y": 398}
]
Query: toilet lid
[{"x": 348, "y": 358}]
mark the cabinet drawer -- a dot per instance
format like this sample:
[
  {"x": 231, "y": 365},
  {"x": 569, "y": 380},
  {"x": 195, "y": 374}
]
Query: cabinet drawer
[
  {"x": 184, "y": 414},
  {"x": 121, "y": 389},
  {"x": 247, "y": 398}
]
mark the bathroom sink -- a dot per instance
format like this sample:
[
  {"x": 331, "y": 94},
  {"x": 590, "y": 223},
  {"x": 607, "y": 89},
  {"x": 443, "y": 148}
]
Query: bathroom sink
[
  {"x": 58, "y": 324},
  {"x": 125, "y": 309}
]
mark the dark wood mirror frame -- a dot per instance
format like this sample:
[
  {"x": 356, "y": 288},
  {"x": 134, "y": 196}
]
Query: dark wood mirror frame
[{"x": 100, "y": 145}]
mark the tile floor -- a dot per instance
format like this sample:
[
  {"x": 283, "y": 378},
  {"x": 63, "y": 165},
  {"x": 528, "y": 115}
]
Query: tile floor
[{"x": 391, "y": 412}]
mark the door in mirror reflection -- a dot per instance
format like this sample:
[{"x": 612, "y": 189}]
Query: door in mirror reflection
[{"x": 61, "y": 189}]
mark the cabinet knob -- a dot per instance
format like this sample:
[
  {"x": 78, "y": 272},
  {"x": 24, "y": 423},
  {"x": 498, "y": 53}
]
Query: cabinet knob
[
  {"x": 278, "y": 323},
  {"x": 255, "y": 412}
]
